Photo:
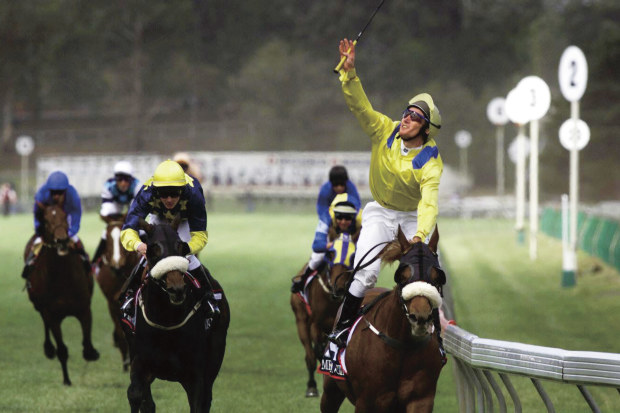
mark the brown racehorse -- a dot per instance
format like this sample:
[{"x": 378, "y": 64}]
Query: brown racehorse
[
  {"x": 178, "y": 336},
  {"x": 116, "y": 265},
  {"x": 315, "y": 317},
  {"x": 59, "y": 287},
  {"x": 392, "y": 359}
]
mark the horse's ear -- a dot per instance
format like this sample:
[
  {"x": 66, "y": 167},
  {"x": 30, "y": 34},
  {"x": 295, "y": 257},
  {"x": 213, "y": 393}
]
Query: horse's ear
[
  {"x": 432, "y": 244},
  {"x": 176, "y": 221},
  {"x": 143, "y": 225},
  {"x": 405, "y": 246}
]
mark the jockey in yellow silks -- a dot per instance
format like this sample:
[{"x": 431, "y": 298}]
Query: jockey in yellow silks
[{"x": 405, "y": 170}]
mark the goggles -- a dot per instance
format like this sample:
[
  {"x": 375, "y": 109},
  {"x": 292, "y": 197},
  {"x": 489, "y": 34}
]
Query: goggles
[
  {"x": 57, "y": 191},
  {"x": 121, "y": 178},
  {"x": 346, "y": 217},
  {"x": 168, "y": 192},
  {"x": 415, "y": 116}
]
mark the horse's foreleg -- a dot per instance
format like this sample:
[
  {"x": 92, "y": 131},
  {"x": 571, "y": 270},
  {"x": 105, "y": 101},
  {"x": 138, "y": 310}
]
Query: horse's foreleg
[
  {"x": 139, "y": 394},
  {"x": 302, "y": 320},
  {"x": 117, "y": 334},
  {"x": 48, "y": 346},
  {"x": 88, "y": 350},
  {"x": 332, "y": 396},
  {"x": 61, "y": 349}
]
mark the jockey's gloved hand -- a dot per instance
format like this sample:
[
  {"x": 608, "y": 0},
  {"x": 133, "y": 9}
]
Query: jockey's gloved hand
[{"x": 184, "y": 248}]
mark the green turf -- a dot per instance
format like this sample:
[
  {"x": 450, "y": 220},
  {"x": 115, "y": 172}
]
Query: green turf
[{"x": 499, "y": 293}]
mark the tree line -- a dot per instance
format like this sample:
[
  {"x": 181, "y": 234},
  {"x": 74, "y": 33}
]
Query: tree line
[{"x": 269, "y": 65}]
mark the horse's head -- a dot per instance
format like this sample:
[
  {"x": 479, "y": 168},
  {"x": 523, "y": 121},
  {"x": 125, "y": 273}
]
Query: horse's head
[
  {"x": 115, "y": 255},
  {"x": 340, "y": 258},
  {"x": 168, "y": 267},
  {"x": 56, "y": 228},
  {"x": 419, "y": 279}
]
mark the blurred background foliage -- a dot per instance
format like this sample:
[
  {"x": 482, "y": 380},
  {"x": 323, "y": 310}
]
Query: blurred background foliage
[{"x": 262, "y": 70}]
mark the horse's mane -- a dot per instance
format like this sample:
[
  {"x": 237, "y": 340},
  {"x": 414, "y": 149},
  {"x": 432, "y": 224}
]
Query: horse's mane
[{"x": 391, "y": 252}]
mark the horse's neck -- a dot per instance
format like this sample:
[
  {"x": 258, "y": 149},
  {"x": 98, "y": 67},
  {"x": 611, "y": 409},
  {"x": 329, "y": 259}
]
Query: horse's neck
[{"x": 389, "y": 317}]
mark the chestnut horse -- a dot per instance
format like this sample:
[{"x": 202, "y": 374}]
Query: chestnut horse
[
  {"x": 116, "y": 265},
  {"x": 178, "y": 334},
  {"x": 315, "y": 313},
  {"x": 392, "y": 361},
  {"x": 59, "y": 286}
]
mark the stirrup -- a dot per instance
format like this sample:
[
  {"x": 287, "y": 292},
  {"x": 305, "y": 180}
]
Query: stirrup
[{"x": 339, "y": 337}]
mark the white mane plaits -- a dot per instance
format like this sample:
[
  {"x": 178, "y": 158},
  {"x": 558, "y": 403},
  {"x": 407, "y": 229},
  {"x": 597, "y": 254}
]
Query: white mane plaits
[
  {"x": 168, "y": 264},
  {"x": 422, "y": 288}
]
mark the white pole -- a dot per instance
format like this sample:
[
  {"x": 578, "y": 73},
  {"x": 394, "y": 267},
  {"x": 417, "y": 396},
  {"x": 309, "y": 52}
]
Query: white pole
[
  {"x": 533, "y": 188},
  {"x": 464, "y": 162},
  {"x": 499, "y": 156},
  {"x": 568, "y": 256},
  {"x": 574, "y": 185},
  {"x": 520, "y": 184},
  {"x": 24, "y": 184}
]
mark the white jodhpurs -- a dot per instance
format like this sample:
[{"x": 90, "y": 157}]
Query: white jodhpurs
[
  {"x": 184, "y": 234},
  {"x": 315, "y": 259},
  {"x": 379, "y": 225}
]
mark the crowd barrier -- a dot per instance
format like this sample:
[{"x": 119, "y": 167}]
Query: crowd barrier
[
  {"x": 477, "y": 358},
  {"x": 598, "y": 236}
]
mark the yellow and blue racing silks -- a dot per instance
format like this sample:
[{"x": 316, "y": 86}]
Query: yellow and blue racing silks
[{"x": 399, "y": 182}]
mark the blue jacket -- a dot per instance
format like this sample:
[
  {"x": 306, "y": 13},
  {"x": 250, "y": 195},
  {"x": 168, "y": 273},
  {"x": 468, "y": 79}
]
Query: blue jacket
[
  {"x": 324, "y": 200},
  {"x": 71, "y": 205}
]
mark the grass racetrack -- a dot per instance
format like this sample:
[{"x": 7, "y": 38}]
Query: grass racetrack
[{"x": 498, "y": 293}]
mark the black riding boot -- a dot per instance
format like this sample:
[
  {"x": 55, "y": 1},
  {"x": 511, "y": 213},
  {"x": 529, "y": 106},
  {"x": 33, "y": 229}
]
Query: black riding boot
[
  {"x": 200, "y": 274},
  {"x": 29, "y": 266},
  {"x": 126, "y": 294},
  {"x": 348, "y": 314},
  {"x": 98, "y": 251},
  {"x": 437, "y": 324},
  {"x": 298, "y": 283}
]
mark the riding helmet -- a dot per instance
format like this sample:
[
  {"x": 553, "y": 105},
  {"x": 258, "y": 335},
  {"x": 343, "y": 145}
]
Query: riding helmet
[
  {"x": 57, "y": 181},
  {"x": 169, "y": 173},
  {"x": 123, "y": 168},
  {"x": 425, "y": 103},
  {"x": 338, "y": 175}
]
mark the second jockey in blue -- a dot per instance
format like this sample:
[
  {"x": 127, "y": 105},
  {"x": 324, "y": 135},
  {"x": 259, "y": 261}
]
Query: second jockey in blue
[
  {"x": 57, "y": 190},
  {"x": 338, "y": 183}
]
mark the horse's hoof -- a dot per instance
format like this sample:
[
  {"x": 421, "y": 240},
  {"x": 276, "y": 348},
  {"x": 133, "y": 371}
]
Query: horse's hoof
[
  {"x": 49, "y": 350},
  {"x": 67, "y": 382},
  {"x": 90, "y": 354},
  {"x": 312, "y": 392}
]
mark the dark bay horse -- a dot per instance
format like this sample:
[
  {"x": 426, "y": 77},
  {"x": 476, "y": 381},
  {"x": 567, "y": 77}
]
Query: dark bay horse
[
  {"x": 116, "y": 265},
  {"x": 392, "y": 360},
  {"x": 59, "y": 287},
  {"x": 316, "y": 309},
  {"x": 178, "y": 337}
]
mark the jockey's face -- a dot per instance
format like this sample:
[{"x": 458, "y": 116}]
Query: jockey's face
[
  {"x": 169, "y": 196},
  {"x": 123, "y": 182},
  {"x": 58, "y": 196},
  {"x": 412, "y": 124},
  {"x": 343, "y": 222},
  {"x": 339, "y": 188}
]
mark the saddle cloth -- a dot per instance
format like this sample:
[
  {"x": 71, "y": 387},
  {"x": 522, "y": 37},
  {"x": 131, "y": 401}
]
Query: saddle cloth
[{"x": 333, "y": 361}]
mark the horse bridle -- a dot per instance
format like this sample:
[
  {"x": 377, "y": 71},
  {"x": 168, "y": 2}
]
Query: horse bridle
[{"x": 422, "y": 258}]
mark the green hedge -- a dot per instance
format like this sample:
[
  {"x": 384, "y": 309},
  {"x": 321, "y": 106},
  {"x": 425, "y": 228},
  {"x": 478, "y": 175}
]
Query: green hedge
[{"x": 596, "y": 236}]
